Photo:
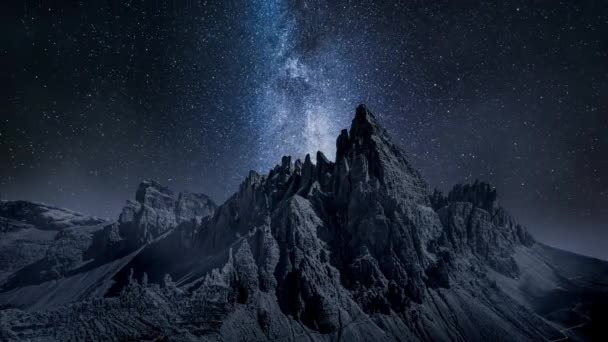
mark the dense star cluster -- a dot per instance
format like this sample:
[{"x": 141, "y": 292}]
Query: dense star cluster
[{"x": 97, "y": 97}]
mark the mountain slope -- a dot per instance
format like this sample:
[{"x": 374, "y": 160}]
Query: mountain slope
[
  {"x": 353, "y": 250},
  {"x": 79, "y": 262},
  {"x": 28, "y": 231}
]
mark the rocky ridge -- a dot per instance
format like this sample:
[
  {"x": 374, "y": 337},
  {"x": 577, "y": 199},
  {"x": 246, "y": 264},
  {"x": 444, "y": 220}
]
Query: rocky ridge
[{"x": 354, "y": 249}]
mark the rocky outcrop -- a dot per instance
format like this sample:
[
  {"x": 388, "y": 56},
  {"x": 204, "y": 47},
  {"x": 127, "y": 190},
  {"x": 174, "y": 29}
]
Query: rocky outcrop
[
  {"x": 382, "y": 226},
  {"x": 475, "y": 224},
  {"x": 155, "y": 211},
  {"x": 368, "y": 155}
]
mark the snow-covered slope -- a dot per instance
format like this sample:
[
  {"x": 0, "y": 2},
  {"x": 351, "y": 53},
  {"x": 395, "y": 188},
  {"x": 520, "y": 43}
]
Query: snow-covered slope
[
  {"x": 28, "y": 232},
  {"x": 354, "y": 250}
]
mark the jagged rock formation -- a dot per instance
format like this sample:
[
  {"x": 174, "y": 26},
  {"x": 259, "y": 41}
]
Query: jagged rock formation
[
  {"x": 473, "y": 222},
  {"x": 73, "y": 248},
  {"x": 353, "y": 250},
  {"x": 155, "y": 211}
]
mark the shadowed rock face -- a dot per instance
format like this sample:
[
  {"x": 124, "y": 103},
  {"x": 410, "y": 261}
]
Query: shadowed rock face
[
  {"x": 379, "y": 197},
  {"x": 156, "y": 210},
  {"x": 353, "y": 250}
]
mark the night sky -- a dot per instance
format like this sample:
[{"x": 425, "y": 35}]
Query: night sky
[{"x": 97, "y": 97}]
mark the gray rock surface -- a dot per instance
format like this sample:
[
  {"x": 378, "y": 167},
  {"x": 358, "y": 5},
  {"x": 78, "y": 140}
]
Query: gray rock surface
[
  {"x": 355, "y": 250},
  {"x": 156, "y": 211}
]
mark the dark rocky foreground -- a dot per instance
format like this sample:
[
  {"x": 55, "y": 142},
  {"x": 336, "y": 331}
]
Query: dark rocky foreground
[{"x": 356, "y": 250}]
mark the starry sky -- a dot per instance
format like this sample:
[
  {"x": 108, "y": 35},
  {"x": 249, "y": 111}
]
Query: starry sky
[{"x": 96, "y": 96}]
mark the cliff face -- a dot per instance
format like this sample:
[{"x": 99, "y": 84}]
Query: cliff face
[{"x": 353, "y": 250}]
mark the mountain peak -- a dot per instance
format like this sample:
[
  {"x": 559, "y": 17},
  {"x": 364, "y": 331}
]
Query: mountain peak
[
  {"x": 355, "y": 250},
  {"x": 367, "y": 153},
  {"x": 364, "y": 124}
]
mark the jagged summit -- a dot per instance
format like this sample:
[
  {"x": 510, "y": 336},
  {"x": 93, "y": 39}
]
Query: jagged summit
[
  {"x": 364, "y": 124},
  {"x": 355, "y": 249},
  {"x": 364, "y": 157},
  {"x": 369, "y": 151},
  {"x": 481, "y": 194}
]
